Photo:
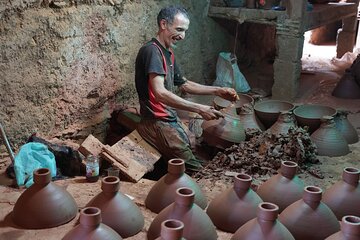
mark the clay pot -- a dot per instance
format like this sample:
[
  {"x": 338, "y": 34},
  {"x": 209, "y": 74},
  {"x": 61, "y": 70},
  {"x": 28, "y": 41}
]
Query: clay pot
[
  {"x": 264, "y": 227},
  {"x": 234, "y": 207},
  {"x": 350, "y": 229},
  {"x": 163, "y": 193},
  {"x": 171, "y": 229},
  {"x": 284, "y": 188},
  {"x": 268, "y": 111},
  {"x": 328, "y": 139},
  {"x": 248, "y": 118},
  {"x": 309, "y": 218},
  {"x": 347, "y": 87},
  {"x": 90, "y": 227},
  {"x": 118, "y": 211},
  {"x": 197, "y": 224},
  {"x": 346, "y": 128},
  {"x": 44, "y": 204},
  {"x": 310, "y": 115},
  {"x": 220, "y": 103},
  {"x": 343, "y": 198},
  {"x": 285, "y": 121},
  {"x": 223, "y": 132}
]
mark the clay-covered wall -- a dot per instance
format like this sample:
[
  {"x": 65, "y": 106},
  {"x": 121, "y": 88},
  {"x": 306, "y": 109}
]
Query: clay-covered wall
[{"x": 66, "y": 64}]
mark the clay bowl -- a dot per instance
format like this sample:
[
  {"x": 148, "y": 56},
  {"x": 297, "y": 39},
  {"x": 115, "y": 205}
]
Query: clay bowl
[
  {"x": 310, "y": 115},
  {"x": 268, "y": 111},
  {"x": 220, "y": 103}
]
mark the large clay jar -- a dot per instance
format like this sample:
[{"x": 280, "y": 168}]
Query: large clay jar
[
  {"x": 264, "y": 227},
  {"x": 44, "y": 204},
  {"x": 171, "y": 229},
  {"x": 90, "y": 227},
  {"x": 248, "y": 118},
  {"x": 234, "y": 207},
  {"x": 346, "y": 128},
  {"x": 163, "y": 193},
  {"x": 223, "y": 132},
  {"x": 284, "y": 188},
  {"x": 118, "y": 211},
  {"x": 350, "y": 229},
  {"x": 347, "y": 87},
  {"x": 197, "y": 224},
  {"x": 285, "y": 121},
  {"x": 328, "y": 139},
  {"x": 309, "y": 218},
  {"x": 344, "y": 196}
]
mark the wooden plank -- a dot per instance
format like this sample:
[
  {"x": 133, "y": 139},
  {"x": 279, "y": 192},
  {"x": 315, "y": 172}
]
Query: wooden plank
[
  {"x": 115, "y": 154},
  {"x": 135, "y": 151},
  {"x": 91, "y": 145}
]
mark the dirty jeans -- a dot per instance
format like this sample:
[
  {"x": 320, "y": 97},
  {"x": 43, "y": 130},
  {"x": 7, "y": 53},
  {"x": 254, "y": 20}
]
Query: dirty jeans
[{"x": 171, "y": 139}]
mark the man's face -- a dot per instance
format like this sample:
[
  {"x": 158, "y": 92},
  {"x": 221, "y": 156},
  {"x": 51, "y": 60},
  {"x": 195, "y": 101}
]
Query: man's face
[{"x": 176, "y": 31}]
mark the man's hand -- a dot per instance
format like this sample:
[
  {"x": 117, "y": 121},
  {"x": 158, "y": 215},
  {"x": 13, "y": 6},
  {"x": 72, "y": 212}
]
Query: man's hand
[
  {"x": 209, "y": 113},
  {"x": 227, "y": 93}
]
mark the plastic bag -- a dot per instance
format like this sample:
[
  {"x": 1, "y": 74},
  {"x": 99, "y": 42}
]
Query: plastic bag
[
  {"x": 32, "y": 156},
  {"x": 228, "y": 73}
]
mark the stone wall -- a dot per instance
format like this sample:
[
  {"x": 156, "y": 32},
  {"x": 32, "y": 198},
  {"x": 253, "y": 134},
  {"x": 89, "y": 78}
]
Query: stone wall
[{"x": 67, "y": 64}]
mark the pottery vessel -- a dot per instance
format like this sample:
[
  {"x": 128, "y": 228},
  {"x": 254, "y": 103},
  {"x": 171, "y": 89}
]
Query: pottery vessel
[
  {"x": 163, "y": 193},
  {"x": 117, "y": 210},
  {"x": 220, "y": 103},
  {"x": 90, "y": 227},
  {"x": 347, "y": 87},
  {"x": 346, "y": 128},
  {"x": 310, "y": 115},
  {"x": 350, "y": 229},
  {"x": 248, "y": 118},
  {"x": 223, "y": 132},
  {"x": 328, "y": 139},
  {"x": 234, "y": 207},
  {"x": 285, "y": 121},
  {"x": 309, "y": 218},
  {"x": 268, "y": 111},
  {"x": 197, "y": 224},
  {"x": 283, "y": 188},
  {"x": 44, "y": 204},
  {"x": 343, "y": 198},
  {"x": 171, "y": 229},
  {"x": 264, "y": 227}
]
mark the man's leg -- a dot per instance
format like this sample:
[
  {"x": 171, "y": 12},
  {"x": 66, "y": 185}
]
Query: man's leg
[{"x": 171, "y": 140}]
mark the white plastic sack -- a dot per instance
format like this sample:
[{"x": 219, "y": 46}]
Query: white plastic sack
[{"x": 228, "y": 73}]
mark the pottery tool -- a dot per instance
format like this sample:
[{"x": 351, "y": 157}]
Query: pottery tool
[{"x": 7, "y": 144}]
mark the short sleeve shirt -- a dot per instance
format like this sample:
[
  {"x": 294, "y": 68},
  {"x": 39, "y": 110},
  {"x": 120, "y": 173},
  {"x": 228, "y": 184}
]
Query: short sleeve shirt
[{"x": 154, "y": 58}]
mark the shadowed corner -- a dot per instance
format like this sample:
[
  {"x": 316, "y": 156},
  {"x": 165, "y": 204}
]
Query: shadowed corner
[{"x": 8, "y": 222}]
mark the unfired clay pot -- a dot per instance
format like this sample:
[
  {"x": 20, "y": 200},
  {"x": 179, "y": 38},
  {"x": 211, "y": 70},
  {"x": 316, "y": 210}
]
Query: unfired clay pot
[
  {"x": 347, "y": 87},
  {"x": 309, "y": 218},
  {"x": 90, "y": 227},
  {"x": 44, "y": 204},
  {"x": 220, "y": 103},
  {"x": 234, "y": 207},
  {"x": 283, "y": 188},
  {"x": 248, "y": 118},
  {"x": 285, "y": 121},
  {"x": 171, "y": 229},
  {"x": 328, "y": 140},
  {"x": 268, "y": 111},
  {"x": 350, "y": 229},
  {"x": 117, "y": 210},
  {"x": 264, "y": 227},
  {"x": 344, "y": 126},
  {"x": 310, "y": 115},
  {"x": 223, "y": 132},
  {"x": 197, "y": 224},
  {"x": 344, "y": 196},
  {"x": 163, "y": 193}
]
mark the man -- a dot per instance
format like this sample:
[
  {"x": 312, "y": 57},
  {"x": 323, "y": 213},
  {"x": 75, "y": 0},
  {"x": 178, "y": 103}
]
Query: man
[{"x": 156, "y": 76}]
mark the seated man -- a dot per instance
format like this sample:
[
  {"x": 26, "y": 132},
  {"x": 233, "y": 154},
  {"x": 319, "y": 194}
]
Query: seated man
[{"x": 156, "y": 76}]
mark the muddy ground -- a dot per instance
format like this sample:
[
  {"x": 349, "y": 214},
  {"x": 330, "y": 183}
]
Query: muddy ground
[{"x": 317, "y": 82}]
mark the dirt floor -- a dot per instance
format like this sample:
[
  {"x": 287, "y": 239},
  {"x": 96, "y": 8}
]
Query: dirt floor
[{"x": 320, "y": 77}]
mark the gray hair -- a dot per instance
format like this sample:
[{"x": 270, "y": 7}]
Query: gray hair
[{"x": 169, "y": 13}]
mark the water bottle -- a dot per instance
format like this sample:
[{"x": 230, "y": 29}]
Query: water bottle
[{"x": 92, "y": 168}]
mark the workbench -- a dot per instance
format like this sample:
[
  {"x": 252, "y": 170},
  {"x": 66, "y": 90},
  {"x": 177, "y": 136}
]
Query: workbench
[{"x": 291, "y": 25}]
